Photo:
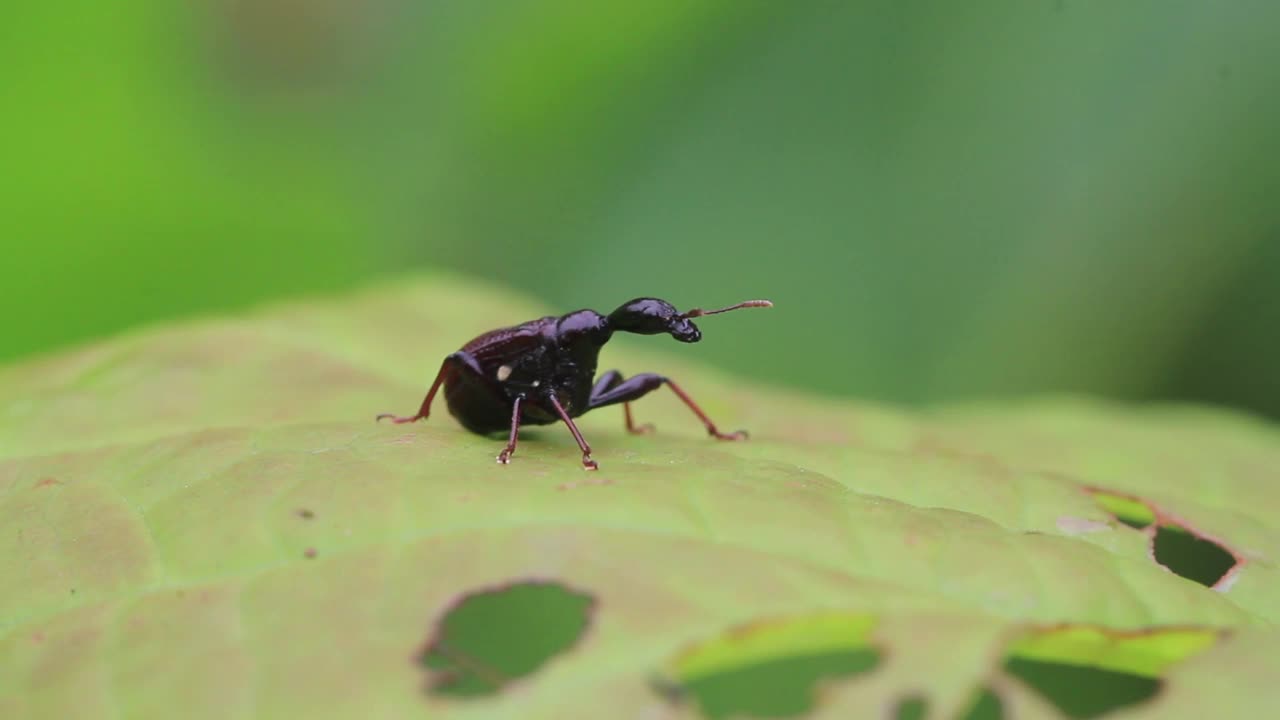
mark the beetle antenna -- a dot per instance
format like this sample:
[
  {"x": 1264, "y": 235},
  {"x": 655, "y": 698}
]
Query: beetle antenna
[{"x": 699, "y": 312}]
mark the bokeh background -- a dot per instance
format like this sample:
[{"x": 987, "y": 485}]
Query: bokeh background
[{"x": 947, "y": 200}]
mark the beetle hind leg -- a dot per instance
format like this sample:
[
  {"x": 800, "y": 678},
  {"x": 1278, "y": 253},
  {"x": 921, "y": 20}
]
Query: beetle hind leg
[{"x": 451, "y": 364}]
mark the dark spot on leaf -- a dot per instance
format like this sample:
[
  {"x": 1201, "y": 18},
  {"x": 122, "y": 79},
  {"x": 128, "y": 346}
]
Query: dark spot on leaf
[
  {"x": 1192, "y": 557},
  {"x": 911, "y": 708},
  {"x": 305, "y": 514},
  {"x": 1082, "y": 691},
  {"x": 73, "y": 591},
  {"x": 986, "y": 706},
  {"x": 492, "y": 637},
  {"x": 309, "y": 552},
  {"x": 46, "y": 482},
  {"x": 776, "y": 688}
]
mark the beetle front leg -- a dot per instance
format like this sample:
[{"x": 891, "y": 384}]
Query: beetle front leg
[
  {"x": 641, "y": 385},
  {"x": 587, "y": 462},
  {"x": 504, "y": 457}
]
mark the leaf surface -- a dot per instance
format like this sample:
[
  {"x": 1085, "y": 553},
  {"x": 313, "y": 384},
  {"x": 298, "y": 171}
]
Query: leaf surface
[{"x": 206, "y": 518}]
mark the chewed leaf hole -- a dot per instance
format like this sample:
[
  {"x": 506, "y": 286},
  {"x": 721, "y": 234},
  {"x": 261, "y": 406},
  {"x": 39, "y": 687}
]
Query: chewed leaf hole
[
  {"x": 771, "y": 669},
  {"x": 1192, "y": 557},
  {"x": 1088, "y": 671},
  {"x": 1080, "y": 691},
  {"x": 986, "y": 706},
  {"x": 1177, "y": 548},
  {"x": 777, "y": 688},
  {"x": 493, "y": 637},
  {"x": 911, "y": 708}
]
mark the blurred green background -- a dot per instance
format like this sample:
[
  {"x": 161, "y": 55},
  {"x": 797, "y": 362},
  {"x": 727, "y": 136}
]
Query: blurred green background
[{"x": 946, "y": 200}]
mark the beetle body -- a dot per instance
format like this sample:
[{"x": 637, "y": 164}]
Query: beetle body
[
  {"x": 532, "y": 360},
  {"x": 540, "y": 372}
]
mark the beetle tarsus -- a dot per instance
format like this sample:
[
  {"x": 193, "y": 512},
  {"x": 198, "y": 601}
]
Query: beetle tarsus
[
  {"x": 733, "y": 436},
  {"x": 504, "y": 457},
  {"x": 632, "y": 428},
  {"x": 587, "y": 462}
]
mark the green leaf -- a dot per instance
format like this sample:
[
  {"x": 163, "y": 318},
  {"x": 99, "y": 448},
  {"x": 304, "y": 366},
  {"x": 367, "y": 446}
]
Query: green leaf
[{"x": 205, "y": 520}]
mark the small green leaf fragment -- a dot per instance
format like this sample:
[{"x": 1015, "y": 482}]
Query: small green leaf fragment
[
  {"x": 770, "y": 668},
  {"x": 1127, "y": 510},
  {"x": 804, "y": 635},
  {"x": 1145, "y": 652}
]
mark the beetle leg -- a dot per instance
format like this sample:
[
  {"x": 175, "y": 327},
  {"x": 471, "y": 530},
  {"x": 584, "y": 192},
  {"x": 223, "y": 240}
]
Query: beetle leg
[
  {"x": 607, "y": 382},
  {"x": 450, "y": 363},
  {"x": 643, "y": 384},
  {"x": 504, "y": 457},
  {"x": 587, "y": 462}
]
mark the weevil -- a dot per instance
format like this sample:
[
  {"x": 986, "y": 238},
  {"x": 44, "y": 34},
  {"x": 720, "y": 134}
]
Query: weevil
[{"x": 540, "y": 372}]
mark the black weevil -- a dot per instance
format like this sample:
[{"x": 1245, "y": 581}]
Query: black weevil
[{"x": 539, "y": 372}]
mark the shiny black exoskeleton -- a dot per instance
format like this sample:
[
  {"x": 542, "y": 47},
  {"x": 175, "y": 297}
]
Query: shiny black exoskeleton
[{"x": 541, "y": 371}]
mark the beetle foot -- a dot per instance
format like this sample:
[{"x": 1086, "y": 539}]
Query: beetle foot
[
  {"x": 735, "y": 436},
  {"x": 504, "y": 457},
  {"x": 644, "y": 429},
  {"x": 399, "y": 420},
  {"x": 589, "y": 464}
]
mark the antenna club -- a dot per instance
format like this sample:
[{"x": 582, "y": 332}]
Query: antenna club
[{"x": 699, "y": 312}]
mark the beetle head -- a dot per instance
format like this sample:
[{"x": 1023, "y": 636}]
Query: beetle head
[{"x": 651, "y": 316}]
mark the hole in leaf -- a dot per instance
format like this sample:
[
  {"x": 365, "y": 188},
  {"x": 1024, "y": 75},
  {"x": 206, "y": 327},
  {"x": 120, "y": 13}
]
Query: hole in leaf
[
  {"x": 1128, "y": 510},
  {"x": 911, "y": 708},
  {"x": 1180, "y": 549},
  {"x": 492, "y": 637},
  {"x": 777, "y": 688},
  {"x": 770, "y": 669},
  {"x": 1190, "y": 556},
  {"x": 1086, "y": 671},
  {"x": 986, "y": 706},
  {"x": 1080, "y": 691}
]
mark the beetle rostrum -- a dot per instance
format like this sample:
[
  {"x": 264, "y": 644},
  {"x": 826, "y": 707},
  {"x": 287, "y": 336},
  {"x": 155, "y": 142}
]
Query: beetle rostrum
[{"x": 540, "y": 372}]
